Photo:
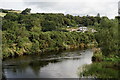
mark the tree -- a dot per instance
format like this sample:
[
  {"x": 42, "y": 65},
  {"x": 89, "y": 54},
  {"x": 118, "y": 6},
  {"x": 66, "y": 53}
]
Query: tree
[
  {"x": 9, "y": 25},
  {"x": 98, "y": 15},
  {"x": 3, "y": 11},
  {"x": 48, "y": 26},
  {"x": 12, "y": 16},
  {"x": 107, "y": 37},
  {"x": 35, "y": 29},
  {"x": 67, "y": 22},
  {"x": 106, "y": 23},
  {"x": 26, "y": 11}
]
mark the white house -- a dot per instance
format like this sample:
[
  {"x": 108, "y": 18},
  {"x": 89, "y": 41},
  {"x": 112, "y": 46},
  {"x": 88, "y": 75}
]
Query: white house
[{"x": 82, "y": 29}]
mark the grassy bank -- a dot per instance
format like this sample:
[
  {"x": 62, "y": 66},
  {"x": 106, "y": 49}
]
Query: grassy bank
[
  {"x": 104, "y": 67},
  {"x": 104, "y": 70}
]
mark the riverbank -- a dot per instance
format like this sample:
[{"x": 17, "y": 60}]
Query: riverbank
[
  {"x": 102, "y": 67},
  {"x": 39, "y": 42},
  {"x": 105, "y": 70}
]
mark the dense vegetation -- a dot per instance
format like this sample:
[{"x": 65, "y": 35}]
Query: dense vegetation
[
  {"x": 28, "y": 33},
  {"x": 107, "y": 37},
  {"x": 30, "y": 42},
  {"x": 103, "y": 70},
  {"x": 46, "y": 22},
  {"x": 29, "y": 30},
  {"x": 108, "y": 40}
]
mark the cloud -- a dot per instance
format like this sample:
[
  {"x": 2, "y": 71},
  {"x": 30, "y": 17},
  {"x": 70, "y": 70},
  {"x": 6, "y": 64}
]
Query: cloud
[
  {"x": 75, "y": 7},
  {"x": 42, "y": 4},
  {"x": 119, "y": 8},
  {"x": 83, "y": 7}
]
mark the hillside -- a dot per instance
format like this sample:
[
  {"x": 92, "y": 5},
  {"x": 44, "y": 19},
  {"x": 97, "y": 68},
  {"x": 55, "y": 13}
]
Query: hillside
[{"x": 28, "y": 33}]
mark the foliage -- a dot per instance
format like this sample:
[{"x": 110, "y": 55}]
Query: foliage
[
  {"x": 102, "y": 70},
  {"x": 108, "y": 41},
  {"x": 48, "y": 26},
  {"x": 26, "y": 11},
  {"x": 97, "y": 57},
  {"x": 23, "y": 41},
  {"x": 48, "y": 22},
  {"x": 107, "y": 37},
  {"x": 3, "y": 11}
]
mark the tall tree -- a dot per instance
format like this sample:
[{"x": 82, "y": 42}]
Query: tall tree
[
  {"x": 98, "y": 15},
  {"x": 48, "y": 26},
  {"x": 26, "y": 11}
]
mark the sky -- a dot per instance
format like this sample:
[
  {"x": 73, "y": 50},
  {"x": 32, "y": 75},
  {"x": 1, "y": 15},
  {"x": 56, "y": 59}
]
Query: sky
[
  {"x": 119, "y": 8},
  {"x": 74, "y": 7}
]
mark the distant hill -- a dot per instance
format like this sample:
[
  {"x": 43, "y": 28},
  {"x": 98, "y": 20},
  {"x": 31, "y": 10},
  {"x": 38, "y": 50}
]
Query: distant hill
[
  {"x": 3, "y": 12},
  {"x": 9, "y": 10}
]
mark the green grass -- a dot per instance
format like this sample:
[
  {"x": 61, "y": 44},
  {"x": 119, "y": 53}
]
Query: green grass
[
  {"x": 2, "y": 14},
  {"x": 102, "y": 70}
]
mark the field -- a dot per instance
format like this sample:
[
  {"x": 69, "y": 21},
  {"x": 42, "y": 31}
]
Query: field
[{"x": 2, "y": 14}]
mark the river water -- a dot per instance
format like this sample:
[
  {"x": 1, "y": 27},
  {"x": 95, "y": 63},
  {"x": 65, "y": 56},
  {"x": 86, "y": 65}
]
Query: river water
[{"x": 67, "y": 64}]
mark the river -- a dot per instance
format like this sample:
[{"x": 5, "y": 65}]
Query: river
[{"x": 64, "y": 64}]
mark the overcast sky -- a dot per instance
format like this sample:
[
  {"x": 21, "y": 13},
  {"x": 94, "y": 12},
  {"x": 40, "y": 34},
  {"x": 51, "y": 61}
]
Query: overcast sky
[{"x": 75, "y": 7}]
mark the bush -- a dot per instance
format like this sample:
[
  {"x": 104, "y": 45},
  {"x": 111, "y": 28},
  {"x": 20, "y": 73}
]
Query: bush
[
  {"x": 104, "y": 70},
  {"x": 97, "y": 57}
]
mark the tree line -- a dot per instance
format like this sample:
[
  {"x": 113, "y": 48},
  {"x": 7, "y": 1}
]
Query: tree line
[{"x": 46, "y": 22}]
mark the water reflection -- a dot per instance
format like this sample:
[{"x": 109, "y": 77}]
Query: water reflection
[{"x": 60, "y": 65}]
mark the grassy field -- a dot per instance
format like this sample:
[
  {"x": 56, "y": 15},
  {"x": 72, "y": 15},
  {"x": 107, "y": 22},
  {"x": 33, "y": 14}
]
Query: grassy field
[
  {"x": 2, "y": 14},
  {"x": 15, "y": 11}
]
